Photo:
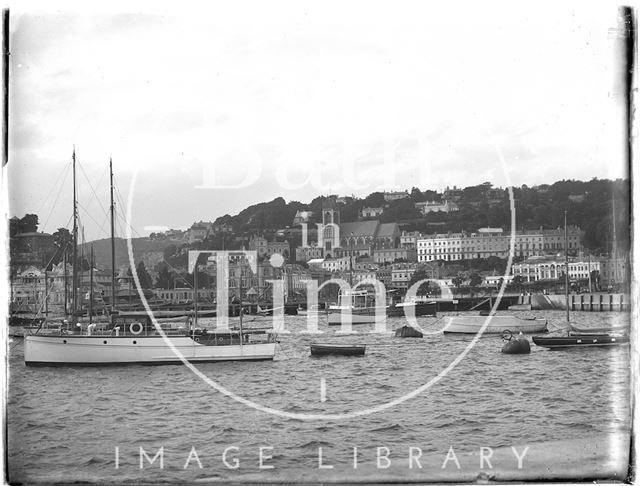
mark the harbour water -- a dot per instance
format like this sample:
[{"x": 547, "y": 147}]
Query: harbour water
[{"x": 89, "y": 423}]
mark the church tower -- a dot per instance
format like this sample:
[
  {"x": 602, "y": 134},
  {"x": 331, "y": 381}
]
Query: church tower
[{"x": 329, "y": 234}]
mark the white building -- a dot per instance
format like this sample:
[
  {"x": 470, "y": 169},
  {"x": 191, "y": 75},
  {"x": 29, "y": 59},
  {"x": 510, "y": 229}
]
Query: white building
[
  {"x": 371, "y": 212},
  {"x": 427, "y": 207},
  {"x": 394, "y": 195},
  {"x": 306, "y": 253},
  {"x": 447, "y": 247},
  {"x": 552, "y": 268},
  {"x": 488, "y": 242},
  {"x": 302, "y": 217},
  {"x": 401, "y": 274},
  {"x": 336, "y": 264}
]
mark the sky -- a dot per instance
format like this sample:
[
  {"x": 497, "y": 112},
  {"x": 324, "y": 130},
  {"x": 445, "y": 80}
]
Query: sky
[{"x": 210, "y": 111}]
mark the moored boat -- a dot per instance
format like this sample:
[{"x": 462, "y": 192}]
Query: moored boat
[
  {"x": 338, "y": 349},
  {"x": 497, "y": 323},
  {"x": 368, "y": 315},
  {"x": 132, "y": 338},
  {"x": 402, "y": 309},
  {"x": 363, "y": 309},
  {"x": 520, "y": 307},
  {"x": 581, "y": 339},
  {"x": 574, "y": 337}
]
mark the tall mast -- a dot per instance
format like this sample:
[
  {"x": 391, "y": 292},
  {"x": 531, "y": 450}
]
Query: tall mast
[
  {"x": 566, "y": 265},
  {"x": 74, "y": 290},
  {"x": 46, "y": 292},
  {"x": 113, "y": 245},
  {"x": 66, "y": 285},
  {"x": 241, "y": 263},
  {"x": 195, "y": 294},
  {"x": 91, "y": 288},
  {"x": 615, "y": 242}
]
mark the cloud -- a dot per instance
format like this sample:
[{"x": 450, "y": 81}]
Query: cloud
[{"x": 417, "y": 91}]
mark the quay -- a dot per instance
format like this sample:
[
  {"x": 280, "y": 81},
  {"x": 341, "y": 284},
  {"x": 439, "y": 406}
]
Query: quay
[{"x": 589, "y": 302}]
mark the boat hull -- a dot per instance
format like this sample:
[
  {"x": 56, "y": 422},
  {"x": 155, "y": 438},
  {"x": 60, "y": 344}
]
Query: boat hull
[
  {"x": 420, "y": 308},
  {"x": 473, "y": 324},
  {"x": 117, "y": 350},
  {"x": 520, "y": 307},
  {"x": 580, "y": 341},
  {"x": 337, "y": 349},
  {"x": 335, "y": 317}
]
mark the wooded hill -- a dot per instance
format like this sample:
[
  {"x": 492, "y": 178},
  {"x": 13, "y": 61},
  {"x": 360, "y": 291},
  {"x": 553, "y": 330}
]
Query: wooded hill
[{"x": 589, "y": 205}]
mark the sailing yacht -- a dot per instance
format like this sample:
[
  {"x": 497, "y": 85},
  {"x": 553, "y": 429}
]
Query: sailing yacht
[
  {"x": 134, "y": 337},
  {"x": 572, "y": 336}
]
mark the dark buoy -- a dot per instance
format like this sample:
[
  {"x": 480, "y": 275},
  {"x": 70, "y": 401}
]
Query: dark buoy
[
  {"x": 408, "y": 331},
  {"x": 518, "y": 345}
]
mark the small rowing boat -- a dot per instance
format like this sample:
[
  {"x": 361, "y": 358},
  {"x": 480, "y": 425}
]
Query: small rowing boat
[
  {"x": 338, "y": 349},
  {"x": 582, "y": 340}
]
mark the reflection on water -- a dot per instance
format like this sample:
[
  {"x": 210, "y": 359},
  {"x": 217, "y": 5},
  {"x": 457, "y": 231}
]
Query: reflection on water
[{"x": 65, "y": 423}]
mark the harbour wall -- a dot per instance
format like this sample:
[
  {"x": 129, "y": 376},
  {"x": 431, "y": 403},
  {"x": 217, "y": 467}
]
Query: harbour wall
[{"x": 593, "y": 302}]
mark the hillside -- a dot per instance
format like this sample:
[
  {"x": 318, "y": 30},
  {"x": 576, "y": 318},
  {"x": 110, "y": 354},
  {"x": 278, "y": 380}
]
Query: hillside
[
  {"x": 588, "y": 204},
  {"x": 143, "y": 249}
]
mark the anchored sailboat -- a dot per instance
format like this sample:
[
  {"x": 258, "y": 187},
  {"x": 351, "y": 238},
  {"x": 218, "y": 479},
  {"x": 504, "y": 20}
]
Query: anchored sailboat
[
  {"x": 134, "y": 337},
  {"x": 573, "y": 336}
]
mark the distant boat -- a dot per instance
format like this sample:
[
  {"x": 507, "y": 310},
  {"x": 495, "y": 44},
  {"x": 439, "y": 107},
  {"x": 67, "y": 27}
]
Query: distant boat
[
  {"x": 316, "y": 309},
  {"x": 363, "y": 309},
  {"x": 338, "y": 349},
  {"x": 520, "y": 307},
  {"x": 400, "y": 309},
  {"x": 498, "y": 323}
]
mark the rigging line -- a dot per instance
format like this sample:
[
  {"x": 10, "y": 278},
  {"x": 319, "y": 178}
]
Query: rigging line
[
  {"x": 56, "y": 200},
  {"x": 89, "y": 214},
  {"x": 92, "y": 188},
  {"x": 104, "y": 221},
  {"x": 121, "y": 218},
  {"x": 64, "y": 171},
  {"x": 127, "y": 224},
  {"x": 178, "y": 274}
]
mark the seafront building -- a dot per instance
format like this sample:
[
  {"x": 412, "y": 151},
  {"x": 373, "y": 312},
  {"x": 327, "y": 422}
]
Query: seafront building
[
  {"x": 488, "y": 242},
  {"x": 539, "y": 268},
  {"x": 552, "y": 268}
]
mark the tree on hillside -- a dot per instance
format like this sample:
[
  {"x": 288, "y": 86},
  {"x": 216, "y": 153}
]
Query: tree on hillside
[
  {"x": 27, "y": 224},
  {"x": 431, "y": 288},
  {"x": 400, "y": 209},
  {"x": 165, "y": 278},
  {"x": 61, "y": 239},
  {"x": 475, "y": 280},
  {"x": 14, "y": 226},
  {"x": 374, "y": 200},
  {"x": 457, "y": 281},
  {"x": 143, "y": 276}
]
